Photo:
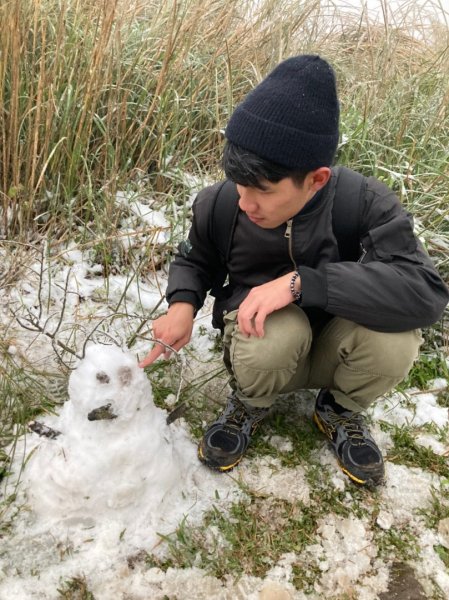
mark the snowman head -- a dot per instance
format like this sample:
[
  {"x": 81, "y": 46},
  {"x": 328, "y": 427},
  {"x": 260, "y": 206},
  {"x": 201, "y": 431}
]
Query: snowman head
[{"x": 108, "y": 384}]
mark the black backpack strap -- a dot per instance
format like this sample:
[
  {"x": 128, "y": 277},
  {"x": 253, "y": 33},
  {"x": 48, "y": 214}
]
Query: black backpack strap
[
  {"x": 223, "y": 217},
  {"x": 222, "y": 220},
  {"x": 346, "y": 212}
]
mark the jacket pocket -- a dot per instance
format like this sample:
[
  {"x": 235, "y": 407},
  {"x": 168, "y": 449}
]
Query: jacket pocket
[{"x": 390, "y": 241}]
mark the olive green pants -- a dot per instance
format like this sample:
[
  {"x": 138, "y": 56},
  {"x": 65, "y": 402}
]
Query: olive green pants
[{"x": 355, "y": 363}]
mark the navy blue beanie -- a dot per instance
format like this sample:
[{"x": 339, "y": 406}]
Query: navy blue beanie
[{"x": 291, "y": 117}]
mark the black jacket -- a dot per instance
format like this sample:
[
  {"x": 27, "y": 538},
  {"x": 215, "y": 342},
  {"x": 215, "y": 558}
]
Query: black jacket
[{"x": 393, "y": 287}]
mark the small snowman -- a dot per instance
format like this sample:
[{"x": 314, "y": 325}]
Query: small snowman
[{"x": 110, "y": 449}]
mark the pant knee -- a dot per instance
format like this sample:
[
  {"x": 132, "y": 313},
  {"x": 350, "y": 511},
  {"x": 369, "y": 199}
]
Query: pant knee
[
  {"x": 359, "y": 364},
  {"x": 286, "y": 340},
  {"x": 262, "y": 367},
  {"x": 387, "y": 354}
]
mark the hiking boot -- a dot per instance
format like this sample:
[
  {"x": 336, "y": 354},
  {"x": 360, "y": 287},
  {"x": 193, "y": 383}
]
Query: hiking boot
[
  {"x": 227, "y": 439},
  {"x": 356, "y": 451}
]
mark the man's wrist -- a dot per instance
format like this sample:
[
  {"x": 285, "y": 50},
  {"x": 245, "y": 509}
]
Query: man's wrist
[{"x": 186, "y": 307}]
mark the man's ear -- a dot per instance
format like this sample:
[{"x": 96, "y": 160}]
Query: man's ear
[{"x": 317, "y": 179}]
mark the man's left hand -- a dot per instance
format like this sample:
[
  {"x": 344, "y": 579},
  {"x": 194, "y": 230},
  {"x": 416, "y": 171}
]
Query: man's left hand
[{"x": 261, "y": 301}]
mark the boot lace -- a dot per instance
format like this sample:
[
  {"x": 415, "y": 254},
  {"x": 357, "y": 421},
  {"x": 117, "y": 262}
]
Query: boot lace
[
  {"x": 353, "y": 426},
  {"x": 237, "y": 416}
]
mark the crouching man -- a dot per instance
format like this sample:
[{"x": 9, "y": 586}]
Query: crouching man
[{"x": 327, "y": 285}]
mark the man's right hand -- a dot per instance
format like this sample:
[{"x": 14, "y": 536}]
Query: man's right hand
[{"x": 173, "y": 329}]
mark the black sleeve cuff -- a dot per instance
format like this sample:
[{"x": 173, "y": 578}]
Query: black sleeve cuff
[
  {"x": 185, "y": 296},
  {"x": 313, "y": 287}
]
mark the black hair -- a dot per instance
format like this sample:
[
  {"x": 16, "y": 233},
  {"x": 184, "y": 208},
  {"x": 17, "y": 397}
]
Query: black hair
[{"x": 248, "y": 169}]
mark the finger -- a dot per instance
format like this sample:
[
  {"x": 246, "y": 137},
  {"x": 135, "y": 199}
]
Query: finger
[
  {"x": 259, "y": 322},
  {"x": 176, "y": 346},
  {"x": 157, "y": 350},
  {"x": 247, "y": 326},
  {"x": 253, "y": 329}
]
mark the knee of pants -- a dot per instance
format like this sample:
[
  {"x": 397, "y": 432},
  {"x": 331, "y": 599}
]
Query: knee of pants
[
  {"x": 286, "y": 340},
  {"x": 385, "y": 354}
]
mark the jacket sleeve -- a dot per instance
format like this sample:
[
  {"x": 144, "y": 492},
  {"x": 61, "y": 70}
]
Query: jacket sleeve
[
  {"x": 191, "y": 274},
  {"x": 394, "y": 287}
]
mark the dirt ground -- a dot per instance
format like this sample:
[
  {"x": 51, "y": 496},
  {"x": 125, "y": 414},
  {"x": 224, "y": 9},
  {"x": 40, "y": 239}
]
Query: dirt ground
[{"x": 403, "y": 585}]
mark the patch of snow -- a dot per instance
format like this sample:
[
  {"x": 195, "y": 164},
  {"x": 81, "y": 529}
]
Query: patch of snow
[
  {"x": 428, "y": 441},
  {"x": 428, "y": 410},
  {"x": 266, "y": 475},
  {"x": 382, "y": 438},
  {"x": 203, "y": 338},
  {"x": 424, "y": 409},
  {"x": 326, "y": 458},
  {"x": 437, "y": 384},
  {"x": 346, "y": 557},
  {"x": 146, "y": 213},
  {"x": 186, "y": 584},
  {"x": 406, "y": 490},
  {"x": 385, "y": 520},
  {"x": 429, "y": 566},
  {"x": 280, "y": 443},
  {"x": 278, "y": 580}
]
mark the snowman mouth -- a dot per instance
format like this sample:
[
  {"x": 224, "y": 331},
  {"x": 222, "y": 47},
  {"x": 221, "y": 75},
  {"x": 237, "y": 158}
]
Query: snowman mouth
[{"x": 102, "y": 413}]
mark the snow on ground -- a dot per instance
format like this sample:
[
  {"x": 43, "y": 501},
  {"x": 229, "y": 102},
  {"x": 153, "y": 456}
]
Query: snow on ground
[
  {"x": 103, "y": 489},
  {"x": 346, "y": 555},
  {"x": 423, "y": 410},
  {"x": 267, "y": 476}
]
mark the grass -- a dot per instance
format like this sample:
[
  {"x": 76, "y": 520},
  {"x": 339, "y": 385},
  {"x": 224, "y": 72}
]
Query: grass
[
  {"x": 23, "y": 395},
  {"x": 428, "y": 367},
  {"x": 439, "y": 508},
  {"x": 252, "y": 535},
  {"x": 407, "y": 452},
  {"x": 75, "y": 589},
  {"x": 255, "y": 533},
  {"x": 249, "y": 538},
  {"x": 398, "y": 543},
  {"x": 443, "y": 553},
  {"x": 96, "y": 95}
]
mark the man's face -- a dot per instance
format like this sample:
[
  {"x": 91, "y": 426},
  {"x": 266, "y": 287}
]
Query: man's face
[{"x": 276, "y": 203}]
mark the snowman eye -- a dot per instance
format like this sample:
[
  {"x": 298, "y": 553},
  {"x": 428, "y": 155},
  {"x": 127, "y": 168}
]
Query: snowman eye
[
  {"x": 102, "y": 377},
  {"x": 125, "y": 375}
]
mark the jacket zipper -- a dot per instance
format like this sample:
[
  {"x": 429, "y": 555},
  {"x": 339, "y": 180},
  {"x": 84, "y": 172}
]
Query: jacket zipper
[
  {"x": 288, "y": 235},
  {"x": 363, "y": 253}
]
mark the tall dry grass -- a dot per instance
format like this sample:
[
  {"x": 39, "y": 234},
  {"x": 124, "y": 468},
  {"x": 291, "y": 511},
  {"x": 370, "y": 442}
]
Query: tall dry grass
[{"x": 95, "y": 95}]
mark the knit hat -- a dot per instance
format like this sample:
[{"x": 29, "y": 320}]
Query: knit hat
[{"x": 291, "y": 117}]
